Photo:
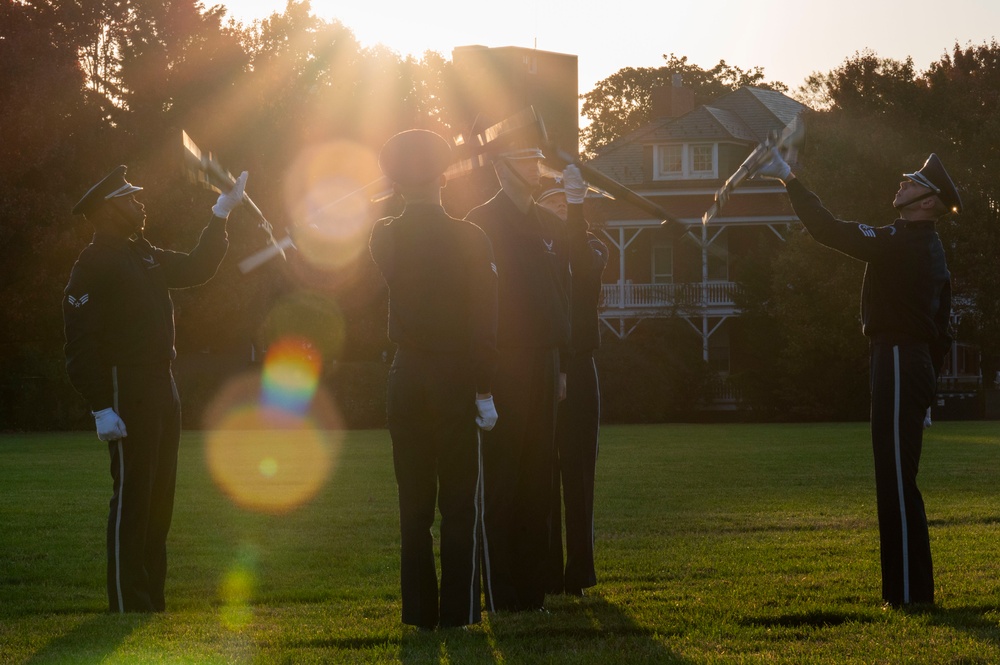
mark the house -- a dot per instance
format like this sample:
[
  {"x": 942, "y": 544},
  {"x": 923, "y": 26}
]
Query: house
[
  {"x": 689, "y": 270},
  {"x": 685, "y": 269}
]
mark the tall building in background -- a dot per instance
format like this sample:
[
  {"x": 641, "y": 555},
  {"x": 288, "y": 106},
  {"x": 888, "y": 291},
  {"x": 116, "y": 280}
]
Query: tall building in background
[{"x": 499, "y": 82}]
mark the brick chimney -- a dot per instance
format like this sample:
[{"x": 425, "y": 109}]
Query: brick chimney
[{"x": 671, "y": 101}]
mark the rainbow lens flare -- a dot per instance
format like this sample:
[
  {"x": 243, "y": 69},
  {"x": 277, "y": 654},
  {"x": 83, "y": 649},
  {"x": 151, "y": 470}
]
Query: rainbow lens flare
[
  {"x": 273, "y": 437},
  {"x": 291, "y": 376},
  {"x": 328, "y": 191}
]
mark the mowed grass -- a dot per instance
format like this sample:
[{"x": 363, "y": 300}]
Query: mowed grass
[{"x": 715, "y": 544}]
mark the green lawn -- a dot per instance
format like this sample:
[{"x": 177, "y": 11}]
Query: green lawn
[{"x": 715, "y": 544}]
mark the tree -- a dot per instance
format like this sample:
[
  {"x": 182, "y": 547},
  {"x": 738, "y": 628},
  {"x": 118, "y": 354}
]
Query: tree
[
  {"x": 621, "y": 103},
  {"x": 884, "y": 118},
  {"x": 47, "y": 131}
]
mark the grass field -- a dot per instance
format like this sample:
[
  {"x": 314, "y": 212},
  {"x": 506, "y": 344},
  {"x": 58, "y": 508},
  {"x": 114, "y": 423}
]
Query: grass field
[{"x": 715, "y": 544}]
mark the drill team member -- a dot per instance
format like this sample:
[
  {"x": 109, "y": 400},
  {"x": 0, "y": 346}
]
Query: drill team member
[
  {"x": 905, "y": 312},
  {"x": 532, "y": 260},
  {"x": 119, "y": 326},
  {"x": 443, "y": 317},
  {"x": 578, "y": 417}
]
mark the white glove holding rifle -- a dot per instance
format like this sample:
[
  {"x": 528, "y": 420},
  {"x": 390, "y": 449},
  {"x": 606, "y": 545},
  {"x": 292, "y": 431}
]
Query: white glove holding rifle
[
  {"x": 110, "y": 427},
  {"x": 228, "y": 201},
  {"x": 487, "y": 417},
  {"x": 774, "y": 167},
  {"x": 573, "y": 184}
]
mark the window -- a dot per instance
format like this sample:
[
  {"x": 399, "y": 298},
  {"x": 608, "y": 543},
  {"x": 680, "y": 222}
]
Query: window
[
  {"x": 718, "y": 259},
  {"x": 672, "y": 160},
  {"x": 718, "y": 356},
  {"x": 686, "y": 160},
  {"x": 701, "y": 159},
  {"x": 663, "y": 263}
]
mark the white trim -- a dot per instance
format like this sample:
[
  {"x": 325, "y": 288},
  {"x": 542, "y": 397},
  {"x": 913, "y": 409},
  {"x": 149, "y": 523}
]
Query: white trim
[
  {"x": 477, "y": 502},
  {"x": 687, "y": 171},
  {"x": 121, "y": 493},
  {"x": 899, "y": 477},
  {"x": 124, "y": 190},
  {"x": 696, "y": 221},
  {"x": 487, "y": 569}
]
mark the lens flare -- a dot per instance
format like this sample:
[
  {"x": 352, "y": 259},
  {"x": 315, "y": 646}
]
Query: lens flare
[
  {"x": 328, "y": 193},
  {"x": 268, "y": 462},
  {"x": 291, "y": 376},
  {"x": 273, "y": 438},
  {"x": 308, "y": 319},
  {"x": 236, "y": 590}
]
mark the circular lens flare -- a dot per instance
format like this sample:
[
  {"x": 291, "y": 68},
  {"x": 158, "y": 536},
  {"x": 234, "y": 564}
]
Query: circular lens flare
[
  {"x": 328, "y": 192},
  {"x": 264, "y": 446},
  {"x": 265, "y": 468}
]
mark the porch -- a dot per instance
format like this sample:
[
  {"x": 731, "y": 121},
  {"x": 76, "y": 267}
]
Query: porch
[{"x": 628, "y": 300}]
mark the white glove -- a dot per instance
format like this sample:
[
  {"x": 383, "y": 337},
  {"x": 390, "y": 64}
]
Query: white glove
[
  {"x": 109, "y": 426},
  {"x": 573, "y": 184},
  {"x": 229, "y": 200},
  {"x": 487, "y": 417},
  {"x": 927, "y": 418},
  {"x": 774, "y": 166}
]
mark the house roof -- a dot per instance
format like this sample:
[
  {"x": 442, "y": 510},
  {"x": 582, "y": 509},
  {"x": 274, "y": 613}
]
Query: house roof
[{"x": 745, "y": 115}]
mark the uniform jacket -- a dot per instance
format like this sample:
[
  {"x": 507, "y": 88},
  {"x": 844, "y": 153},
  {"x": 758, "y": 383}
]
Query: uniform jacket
[
  {"x": 589, "y": 258},
  {"x": 533, "y": 259},
  {"x": 117, "y": 308},
  {"x": 442, "y": 287},
  {"x": 906, "y": 294}
]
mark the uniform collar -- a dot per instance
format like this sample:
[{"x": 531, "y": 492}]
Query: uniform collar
[
  {"x": 914, "y": 224},
  {"x": 112, "y": 240}
]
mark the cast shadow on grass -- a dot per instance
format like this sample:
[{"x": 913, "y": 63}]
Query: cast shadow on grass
[
  {"x": 585, "y": 630},
  {"x": 91, "y": 641},
  {"x": 811, "y": 619},
  {"x": 975, "y": 620}
]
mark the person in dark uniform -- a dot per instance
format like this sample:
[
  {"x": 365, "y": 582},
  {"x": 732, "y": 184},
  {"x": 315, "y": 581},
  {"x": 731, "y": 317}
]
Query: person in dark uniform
[
  {"x": 578, "y": 417},
  {"x": 442, "y": 317},
  {"x": 119, "y": 326},
  {"x": 532, "y": 257},
  {"x": 905, "y": 312}
]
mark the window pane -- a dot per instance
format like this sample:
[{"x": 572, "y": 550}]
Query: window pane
[
  {"x": 718, "y": 260},
  {"x": 701, "y": 158},
  {"x": 671, "y": 158},
  {"x": 663, "y": 264},
  {"x": 718, "y": 358}
]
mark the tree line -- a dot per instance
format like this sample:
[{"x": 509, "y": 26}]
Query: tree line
[{"x": 85, "y": 86}]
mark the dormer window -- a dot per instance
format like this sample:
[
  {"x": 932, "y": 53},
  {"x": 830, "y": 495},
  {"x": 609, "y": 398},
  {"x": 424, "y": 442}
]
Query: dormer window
[{"x": 682, "y": 161}]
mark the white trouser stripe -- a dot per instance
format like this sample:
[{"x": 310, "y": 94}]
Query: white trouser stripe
[
  {"x": 899, "y": 477},
  {"x": 488, "y": 585},
  {"x": 475, "y": 530},
  {"x": 121, "y": 492}
]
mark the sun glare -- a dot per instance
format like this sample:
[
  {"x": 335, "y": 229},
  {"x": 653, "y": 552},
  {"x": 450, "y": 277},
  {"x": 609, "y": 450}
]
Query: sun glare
[
  {"x": 328, "y": 194},
  {"x": 273, "y": 437}
]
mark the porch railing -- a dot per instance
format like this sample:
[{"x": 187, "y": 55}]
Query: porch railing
[{"x": 668, "y": 295}]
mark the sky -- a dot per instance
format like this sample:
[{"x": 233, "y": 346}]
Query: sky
[{"x": 788, "y": 40}]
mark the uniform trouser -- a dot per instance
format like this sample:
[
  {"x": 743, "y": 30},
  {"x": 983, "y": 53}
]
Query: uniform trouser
[
  {"x": 143, "y": 473},
  {"x": 902, "y": 386},
  {"x": 577, "y": 424},
  {"x": 435, "y": 444},
  {"x": 518, "y": 458}
]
